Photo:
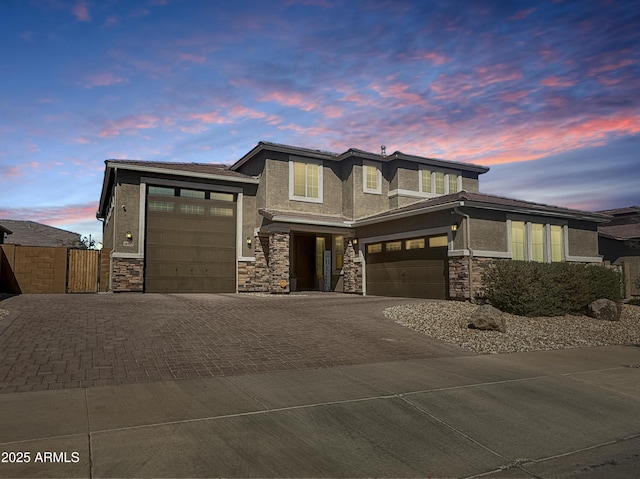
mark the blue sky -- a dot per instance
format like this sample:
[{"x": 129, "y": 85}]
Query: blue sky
[{"x": 545, "y": 93}]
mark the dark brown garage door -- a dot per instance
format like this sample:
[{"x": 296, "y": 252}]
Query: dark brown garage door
[
  {"x": 190, "y": 241},
  {"x": 413, "y": 268}
]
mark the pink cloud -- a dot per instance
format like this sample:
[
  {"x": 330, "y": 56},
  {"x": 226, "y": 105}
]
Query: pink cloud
[
  {"x": 289, "y": 98},
  {"x": 554, "y": 81},
  {"x": 522, "y": 14},
  {"x": 496, "y": 74},
  {"x": 433, "y": 57},
  {"x": 111, "y": 21},
  {"x": 189, "y": 57},
  {"x": 128, "y": 124},
  {"x": 81, "y": 12},
  {"x": 103, "y": 79},
  {"x": 399, "y": 91},
  {"x": 53, "y": 215},
  {"x": 11, "y": 172},
  {"x": 514, "y": 96}
]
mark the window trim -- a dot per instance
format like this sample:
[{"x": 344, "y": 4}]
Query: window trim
[
  {"x": 306, "y": 161},
  {"x": 432, "y": 178},
  {"x": 546, "y": 236},
  {"x": 378, "y": 167}
]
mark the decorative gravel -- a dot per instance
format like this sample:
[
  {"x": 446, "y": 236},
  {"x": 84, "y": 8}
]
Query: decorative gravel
[{"x": 448, "y": 321}]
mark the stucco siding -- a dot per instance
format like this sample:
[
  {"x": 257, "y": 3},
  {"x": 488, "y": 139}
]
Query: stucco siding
[
  {"x": 583, "y": 239},
  {"x": 406, "y": 225},
  {"x": 366, "y": 204},
  {"x": 470, "y": 183},
  {"x": 489, "y": 234},
  {"x": 127, "y": 194},
  {"x": 277, "y": 188}
]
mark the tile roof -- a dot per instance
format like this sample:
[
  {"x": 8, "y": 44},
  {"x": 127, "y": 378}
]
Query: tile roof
[
  {"x": 206, "y": 168},
  {"x": 621, "y": 232},
  {"x": 329, "y": 155},
  {"x": 297, "y": 217},
  {"x": 30, "y": 233},
  {"x": 482, "y": 199}
]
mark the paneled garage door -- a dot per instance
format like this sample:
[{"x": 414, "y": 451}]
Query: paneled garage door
[
  {"x": 414, "y": 268},
  {"x": 190, "y": 241}
]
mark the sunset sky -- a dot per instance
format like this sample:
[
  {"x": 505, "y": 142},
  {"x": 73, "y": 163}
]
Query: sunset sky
[{"x": 545, "y": 93}]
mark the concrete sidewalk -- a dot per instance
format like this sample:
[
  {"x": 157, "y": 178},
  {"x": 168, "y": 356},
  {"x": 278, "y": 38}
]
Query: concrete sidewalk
[{"x": 570, "y": 413}]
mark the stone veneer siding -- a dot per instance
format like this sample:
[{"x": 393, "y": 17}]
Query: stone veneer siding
[
  {"x": 459, "y": 277},
  {"x": 352, "y": 279},
  {"x": 279, "y": 262},
  {"x": 127, "y": 274},
  {"x": 253, "y": 276}
]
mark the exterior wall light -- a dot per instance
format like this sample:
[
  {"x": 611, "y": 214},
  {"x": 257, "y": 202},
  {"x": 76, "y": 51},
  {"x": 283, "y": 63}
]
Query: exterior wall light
[
  {"x": 454, "y": 227},
  {"x": 128, "y": 235},
  {"x": 248, "y": 242},
  {"x": 355, "y": 241}
]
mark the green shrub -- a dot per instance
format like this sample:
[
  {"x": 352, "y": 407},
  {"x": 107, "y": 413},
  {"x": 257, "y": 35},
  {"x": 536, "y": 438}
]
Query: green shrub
[
  {"x": 549, "y": 289},
  {"x": 634, "y": 301}
]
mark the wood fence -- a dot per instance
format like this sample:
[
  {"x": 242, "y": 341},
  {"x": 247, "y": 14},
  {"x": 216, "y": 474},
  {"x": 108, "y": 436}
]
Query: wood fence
[{"x": 41, "y": 269}]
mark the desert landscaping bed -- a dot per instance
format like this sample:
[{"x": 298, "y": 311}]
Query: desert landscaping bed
[{"x": 449, "y": 320}]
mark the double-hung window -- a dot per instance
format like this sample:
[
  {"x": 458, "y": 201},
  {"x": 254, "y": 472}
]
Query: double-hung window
[
  {"x": 305, "y": 180},
  {"x": 371, "y": 177}
]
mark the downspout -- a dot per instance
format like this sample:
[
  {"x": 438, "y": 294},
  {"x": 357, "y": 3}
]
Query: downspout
[{"x": 467, "y": 230}]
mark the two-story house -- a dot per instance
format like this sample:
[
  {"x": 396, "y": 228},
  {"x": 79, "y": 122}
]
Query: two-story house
[{"x": 285, "y": 218}]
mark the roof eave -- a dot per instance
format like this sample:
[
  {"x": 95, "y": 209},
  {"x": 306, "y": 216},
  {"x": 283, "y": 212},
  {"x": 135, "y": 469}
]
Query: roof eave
[
  {"x": 407, "y": 214},
  {"x": 532, "y": 210},
  {"x": 101, "y": 213},
  {"x": 261, "y": 146},
  {"x": 190, "y": 174}
]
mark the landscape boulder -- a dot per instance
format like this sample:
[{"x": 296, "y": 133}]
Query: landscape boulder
[
  {"x": 605, "y": 309},
  {"x": 488, "y": 318}
]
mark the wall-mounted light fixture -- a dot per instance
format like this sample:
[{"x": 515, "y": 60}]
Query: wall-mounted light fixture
[
  {"x": 248, "y": 242},
  {"x": 355, "y": 241},
  {"x": 128, "y": 235},
  {"x": 454, "y": 227}
]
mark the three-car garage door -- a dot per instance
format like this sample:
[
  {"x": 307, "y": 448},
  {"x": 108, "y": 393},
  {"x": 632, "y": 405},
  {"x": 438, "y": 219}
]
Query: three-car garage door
[
  {"x": 413, "y": 268},
  {"x": 190, "y": 241}
]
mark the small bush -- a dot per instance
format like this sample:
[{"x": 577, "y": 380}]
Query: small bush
[
  {"x": 634, "y": 301},
  {"x": 549, "y": 289}
]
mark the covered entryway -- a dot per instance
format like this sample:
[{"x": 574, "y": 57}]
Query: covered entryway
[
  {"x": 414, "y": 268},
  {"x": 190, "y": 241}
]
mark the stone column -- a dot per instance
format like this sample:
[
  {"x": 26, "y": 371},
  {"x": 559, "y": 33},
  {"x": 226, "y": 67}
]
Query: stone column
[
  {"x": 253, "y": 276},
  {"x": 127, "y": 274},
  {"x": 352, "y": 279},
  {"x": 279, "y": 262}
]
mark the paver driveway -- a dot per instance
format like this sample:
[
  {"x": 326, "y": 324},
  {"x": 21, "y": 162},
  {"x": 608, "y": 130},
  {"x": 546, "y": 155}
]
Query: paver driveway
[{"x": 69, "y": 341}]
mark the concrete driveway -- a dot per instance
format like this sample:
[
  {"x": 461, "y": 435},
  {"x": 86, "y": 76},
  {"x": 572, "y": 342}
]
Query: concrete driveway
[{"x": 436, "y": 412}]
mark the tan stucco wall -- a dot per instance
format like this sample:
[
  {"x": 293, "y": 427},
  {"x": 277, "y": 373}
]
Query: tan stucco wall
[
  {"x": 367, "y": 204},
  {"x": 277, "y": 189},
  {"x": 127, "y": 193},
  {"x": 489, "y": 234},
  {"x": 583, "y": 239},
  {"x": 408, "y": 178},
  {"x": 470, "y": 183},
  {"x": 429, "y": 220}
]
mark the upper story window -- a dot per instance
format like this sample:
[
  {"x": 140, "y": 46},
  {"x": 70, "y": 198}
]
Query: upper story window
[
  {"x": 305, "y": 180},
  {"x": 536, "y": 242},
  {"x": 371, "y": 177},
  {"x": 438, "y": 182}
]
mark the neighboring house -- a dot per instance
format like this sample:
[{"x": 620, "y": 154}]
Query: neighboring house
[
  {"x": 30, "y": 233},
  {"x": 4, "y": 232},
  {"x": 285, "y": 218},
  {"x": 619, "y": 242}
]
